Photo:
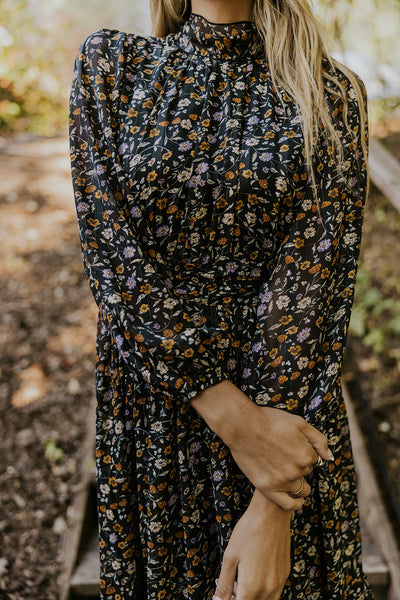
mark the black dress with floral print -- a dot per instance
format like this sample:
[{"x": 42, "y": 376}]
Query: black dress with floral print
[{"x": 208, "y": 259}]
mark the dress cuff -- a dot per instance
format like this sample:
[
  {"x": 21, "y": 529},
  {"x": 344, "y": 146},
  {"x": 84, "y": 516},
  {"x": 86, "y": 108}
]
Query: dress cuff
[{"x": 188, "y": 387}]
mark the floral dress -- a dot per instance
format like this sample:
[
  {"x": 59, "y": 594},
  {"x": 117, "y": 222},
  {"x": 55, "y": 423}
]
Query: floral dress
[{"x": 207, "y": 257}]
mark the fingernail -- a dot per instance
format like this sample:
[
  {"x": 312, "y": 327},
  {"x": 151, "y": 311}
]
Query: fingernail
[
  {"x": 330, "y": 455},
  {"x": 235, "y": 586},
  {"x": 216, "y": 581},
  {"x": 216, "y": 598}
]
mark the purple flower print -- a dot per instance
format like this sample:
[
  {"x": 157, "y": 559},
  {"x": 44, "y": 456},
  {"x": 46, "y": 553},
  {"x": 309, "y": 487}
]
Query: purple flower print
[{"x": 129, "y": 252}]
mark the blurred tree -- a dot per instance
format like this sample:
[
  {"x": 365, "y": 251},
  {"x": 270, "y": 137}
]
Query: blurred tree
[
  {"x": 366, "y": 36},
  {"x": 368, "y": 26},
  {"x": 31, "y": 92},
  {"x": 39, "y": 39}
]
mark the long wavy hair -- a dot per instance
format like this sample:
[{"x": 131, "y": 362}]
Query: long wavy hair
[{"x": 293, "y": 38}]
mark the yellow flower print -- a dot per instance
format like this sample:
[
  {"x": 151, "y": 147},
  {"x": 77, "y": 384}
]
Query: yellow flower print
[
  {"x": 347, "y": 292},
  {"x": 146, "y": 289},
  {"x": 292, "y": 403},
  {"x": 298, "y": 242},
  {"x": 277, "y": 361},
  {"x": 315, "y": 269},
  {"x": 285, "y": 320},
  {"x": 294, "y": 350},
  {"x": 167, "y": 344},
  {"x": 110, "y": 590},
  {"x": 276, "y": 398}
]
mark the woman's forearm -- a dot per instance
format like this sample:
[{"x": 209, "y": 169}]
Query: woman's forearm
[
  {"x": 273, "y": 448},
  {"x": 223, "y": 407}
]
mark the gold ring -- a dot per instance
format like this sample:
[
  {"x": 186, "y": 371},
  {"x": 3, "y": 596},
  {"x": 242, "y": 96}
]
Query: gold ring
[{"x": 299, "y": 492}]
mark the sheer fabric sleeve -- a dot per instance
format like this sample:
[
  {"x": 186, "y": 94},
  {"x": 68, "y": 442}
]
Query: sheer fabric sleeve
[
  {"x": 305, "y": 303},
  {"x": 155, "y": 336}
]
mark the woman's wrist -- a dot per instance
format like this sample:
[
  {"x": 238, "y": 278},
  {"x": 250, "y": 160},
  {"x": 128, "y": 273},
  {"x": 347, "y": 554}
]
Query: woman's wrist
[
  {"x": 268, "y": 508},
  {"x": 221, "y": 406}
]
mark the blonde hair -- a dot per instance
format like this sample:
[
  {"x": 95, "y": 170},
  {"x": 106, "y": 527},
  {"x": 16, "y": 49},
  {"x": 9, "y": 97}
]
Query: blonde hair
[{"x": 295, "y": 50}]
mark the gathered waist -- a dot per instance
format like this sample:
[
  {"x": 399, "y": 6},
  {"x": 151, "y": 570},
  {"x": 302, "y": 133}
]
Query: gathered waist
[{"x": 209, "y": 288}]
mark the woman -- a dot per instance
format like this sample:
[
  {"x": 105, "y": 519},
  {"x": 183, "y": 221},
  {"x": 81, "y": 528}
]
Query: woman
[{"x": 220, "y": 178}]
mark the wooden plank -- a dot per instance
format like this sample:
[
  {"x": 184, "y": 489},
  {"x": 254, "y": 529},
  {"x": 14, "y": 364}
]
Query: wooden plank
[
  {"x": 372, "y": 509},
  {"x": 86, "y": 578},
  {"x": 76, "y": 514},
  {"x": 374, "y": 565},
  {"x": 385, "y": 172}
]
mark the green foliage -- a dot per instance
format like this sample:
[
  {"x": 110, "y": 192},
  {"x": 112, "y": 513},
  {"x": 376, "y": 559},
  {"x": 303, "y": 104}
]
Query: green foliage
[
  {"x": 32, "y": 97},
  {"x": 38, "y": 43},
  {"x": 39, "y": 40},
  {"x": 371, "y": 27},
  {"x": 52, "y": 451},
  {"x": 375, "y": 317}
]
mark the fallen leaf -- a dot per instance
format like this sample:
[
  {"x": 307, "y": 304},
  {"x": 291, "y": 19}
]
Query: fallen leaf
[{"x": 33, "y": 386}]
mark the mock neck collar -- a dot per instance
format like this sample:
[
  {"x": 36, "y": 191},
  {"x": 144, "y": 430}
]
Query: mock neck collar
[{"x": 223, "y": 40}]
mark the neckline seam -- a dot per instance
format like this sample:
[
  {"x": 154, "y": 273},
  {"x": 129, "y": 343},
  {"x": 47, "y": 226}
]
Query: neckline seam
[{"x": 214, "y": 23}]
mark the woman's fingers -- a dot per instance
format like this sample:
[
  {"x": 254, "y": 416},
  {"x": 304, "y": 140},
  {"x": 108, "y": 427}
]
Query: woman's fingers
[
  {"x": 318, "y": 440},
  {"x": 299, "y": 488},
  {"x": 234, "y": 592},
  {"x": 308, "y": 470},
  {"x": 226, "y": 579},
  {"x": 285, "y": 501}
]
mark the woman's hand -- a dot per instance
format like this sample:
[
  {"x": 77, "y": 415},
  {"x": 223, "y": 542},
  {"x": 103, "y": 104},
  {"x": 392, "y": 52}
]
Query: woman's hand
[
  {"x": 273, "y": 448},
  {"x": 257, "y": 554}
]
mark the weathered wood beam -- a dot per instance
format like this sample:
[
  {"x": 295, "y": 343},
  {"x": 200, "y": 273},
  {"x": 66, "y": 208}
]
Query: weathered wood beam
[{"x": 385, "y": 172}]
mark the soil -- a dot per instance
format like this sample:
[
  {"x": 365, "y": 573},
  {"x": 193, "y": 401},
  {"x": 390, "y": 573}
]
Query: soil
[
  {"x": 47, "y": 349},
  {"x": 377, "y": 367}
]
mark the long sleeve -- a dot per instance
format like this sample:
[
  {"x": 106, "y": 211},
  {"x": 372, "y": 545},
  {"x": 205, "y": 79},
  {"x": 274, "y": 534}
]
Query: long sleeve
[
  {"x": 305, "y": 303},
  {"x": 155, "y": 335}
]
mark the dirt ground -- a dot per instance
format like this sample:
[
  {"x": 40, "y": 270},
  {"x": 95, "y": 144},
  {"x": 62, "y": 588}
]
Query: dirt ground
[
  {"x": 47, "y": 349},
  {"x": 47, "y": 346}
]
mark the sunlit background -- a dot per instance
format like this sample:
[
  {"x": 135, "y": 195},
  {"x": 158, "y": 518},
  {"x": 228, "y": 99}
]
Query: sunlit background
[{"x": 39, "y": 38}]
